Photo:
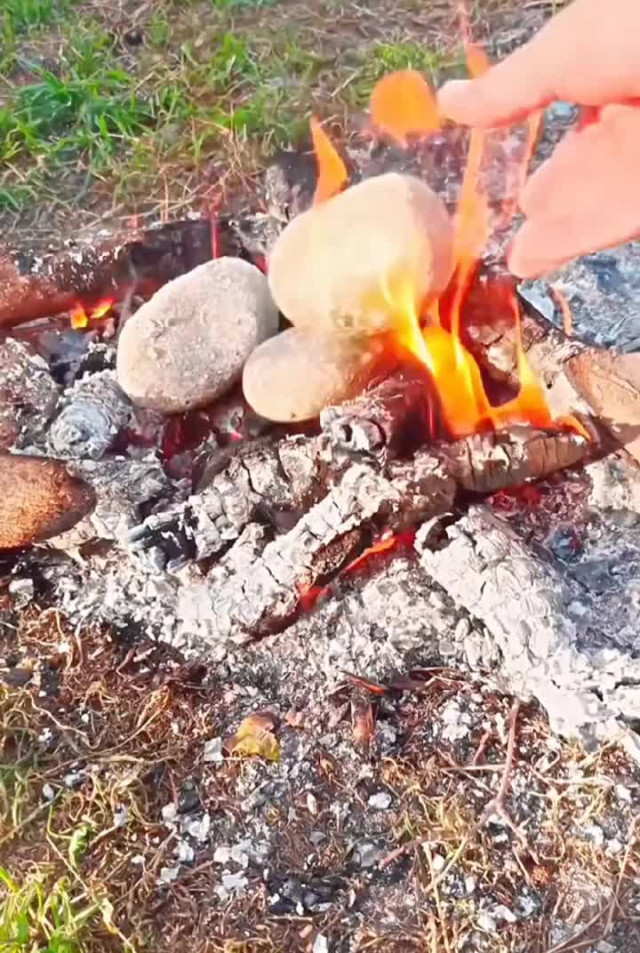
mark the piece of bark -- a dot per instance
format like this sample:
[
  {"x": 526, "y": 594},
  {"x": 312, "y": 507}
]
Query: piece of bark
[
  {"x": 540, "y": 622},
  {"x": 40, "y": 499},
  {"x": 40, "y": 284}
]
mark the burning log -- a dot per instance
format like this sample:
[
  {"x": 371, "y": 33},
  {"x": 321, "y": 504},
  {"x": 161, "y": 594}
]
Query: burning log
[
  {"x": 578, "y": 377},
  {"x": 256, "y": 589},
  {"x": 35, "y": 286},
  {"x": 536, "y": 617}
]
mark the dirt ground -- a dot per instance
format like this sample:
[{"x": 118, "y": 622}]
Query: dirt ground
[{"x": 146, "y": 804}]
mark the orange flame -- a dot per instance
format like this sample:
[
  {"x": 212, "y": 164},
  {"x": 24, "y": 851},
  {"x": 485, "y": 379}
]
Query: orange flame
[
  {"x": 436, "y": 338},
  {"x": 80, "y": 317},
  {"x": 332, "y": 172},
  {"x": 404, "y": 105}
]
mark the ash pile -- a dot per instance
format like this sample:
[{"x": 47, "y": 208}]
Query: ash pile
[{"x": 367, "y": 461}]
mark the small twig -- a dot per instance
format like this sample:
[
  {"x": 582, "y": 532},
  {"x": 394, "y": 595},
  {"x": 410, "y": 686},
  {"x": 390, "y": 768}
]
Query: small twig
[{"x": 497, "y": 805}]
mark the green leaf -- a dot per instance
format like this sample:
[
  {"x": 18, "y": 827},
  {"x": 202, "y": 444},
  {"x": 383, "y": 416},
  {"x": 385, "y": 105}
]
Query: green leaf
[{"x": 79, "y": 843}]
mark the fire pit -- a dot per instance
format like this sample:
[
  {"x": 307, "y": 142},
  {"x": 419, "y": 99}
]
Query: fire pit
[{"x": 368, "y": 460}]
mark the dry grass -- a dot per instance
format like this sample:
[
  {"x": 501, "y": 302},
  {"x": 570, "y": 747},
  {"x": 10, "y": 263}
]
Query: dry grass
[{"x": 104, "y": 735}]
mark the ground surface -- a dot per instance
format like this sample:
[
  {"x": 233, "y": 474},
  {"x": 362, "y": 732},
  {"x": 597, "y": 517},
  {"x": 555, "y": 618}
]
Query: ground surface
[
  {"x": 129, "y": 818},
  {"x": 115, "y": 107}
]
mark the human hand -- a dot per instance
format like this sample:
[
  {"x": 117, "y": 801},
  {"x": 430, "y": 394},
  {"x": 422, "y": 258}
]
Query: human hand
[{"x": 587, "y": 196}]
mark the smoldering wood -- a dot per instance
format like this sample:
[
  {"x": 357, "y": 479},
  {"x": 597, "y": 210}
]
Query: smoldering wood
[
  {"x": 266, "y": 479},
  {"x": 42, "y": 283},
  {"x": 393, "y": 415},
  {"x": 485, "y": 463},
  {"x": 94, "y": 414},
  {"x": 541, "y": 622},
  {"x": 257, "y": 587}
]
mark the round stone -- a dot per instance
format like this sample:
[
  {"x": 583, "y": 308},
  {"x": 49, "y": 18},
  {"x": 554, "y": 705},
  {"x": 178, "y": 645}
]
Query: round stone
[
  {"x": 292, "y": 376},
  {"x": 363, "y": 259},
  {"x": 188, "y": 344},
  {"x": 41, "y": 499}
]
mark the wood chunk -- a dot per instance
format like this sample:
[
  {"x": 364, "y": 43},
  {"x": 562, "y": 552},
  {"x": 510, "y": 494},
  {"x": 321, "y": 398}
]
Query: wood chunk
[
  {"x": 578, "y": 378},
  {"x": 39, "y": 284},
  {"x": 395, "y": 415},
  {"x": 527, "y": 606},
  {"x": 261, "y": 594},
  {"x": 610, "y": 382},
  {"x": 266, "y": 479},
  {"x": 486, "y": 463},
  {"x": 40, "y": 499}
]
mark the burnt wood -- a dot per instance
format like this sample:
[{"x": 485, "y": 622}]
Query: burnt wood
[{"x": 38, "y": 284}]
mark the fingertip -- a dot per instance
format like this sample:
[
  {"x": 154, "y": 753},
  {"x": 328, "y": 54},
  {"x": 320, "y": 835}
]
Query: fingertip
[
  {"x": 455, "y": 100},
  {"x": 525, "y": 258}
]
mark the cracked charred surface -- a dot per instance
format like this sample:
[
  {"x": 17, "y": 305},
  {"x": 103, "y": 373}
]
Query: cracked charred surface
[{"x": 535, "y": 614}]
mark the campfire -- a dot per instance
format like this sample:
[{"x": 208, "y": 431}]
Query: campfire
[{"x": 332, "y": 454}]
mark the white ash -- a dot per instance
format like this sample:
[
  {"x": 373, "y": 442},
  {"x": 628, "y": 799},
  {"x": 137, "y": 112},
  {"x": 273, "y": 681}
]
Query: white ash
[
  {"x": 603, "y": 292},
  {"x": 94, "y": 412},
  {"x": 28, "y": 395}
]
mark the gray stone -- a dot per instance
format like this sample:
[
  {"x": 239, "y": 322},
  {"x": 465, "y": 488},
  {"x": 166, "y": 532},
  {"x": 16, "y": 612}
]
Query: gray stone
[{"x": 188, "y": 344}]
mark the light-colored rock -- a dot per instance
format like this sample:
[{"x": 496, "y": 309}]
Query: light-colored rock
[
  {"x": 188, "y": 344},
  {"x": 338, "y": 264},
  {"x": 40, "y": 499},
  {"x": 294, "y": 375}
]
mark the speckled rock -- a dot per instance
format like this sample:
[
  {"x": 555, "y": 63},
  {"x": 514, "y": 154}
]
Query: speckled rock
[
  {"x": 343, "y": 264},
  {"x": 294, "y": 375},
  {"x": 40, "y": 499},
  {"x": 188, "y": 344}
]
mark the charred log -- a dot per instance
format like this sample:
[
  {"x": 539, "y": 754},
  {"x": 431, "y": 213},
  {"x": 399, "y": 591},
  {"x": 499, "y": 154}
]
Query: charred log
[
  {"x": 256, "y": 589},
  {"x": 36, "y": 285},
  {"x": 536, "y": 617},
  {"x": 264, "y": 480},
  {"x": 394, "y": 416}
]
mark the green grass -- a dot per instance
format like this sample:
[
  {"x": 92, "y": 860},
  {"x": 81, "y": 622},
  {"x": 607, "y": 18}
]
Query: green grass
[
  {"x": 43, "y": 915},
  {"x": 87, "y": 116}
]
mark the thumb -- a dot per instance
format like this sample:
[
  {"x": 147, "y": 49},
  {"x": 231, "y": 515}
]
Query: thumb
[
  {"x": 505, "y": 94},
  {"x": 585, "y": 54}
]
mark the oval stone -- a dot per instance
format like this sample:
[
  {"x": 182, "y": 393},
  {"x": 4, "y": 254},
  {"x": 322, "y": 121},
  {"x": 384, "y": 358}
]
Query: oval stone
[
  {"x": 358, "y": 261},
  {"x": 188, "y": 344},
  {"x": 292, "y": 376}
]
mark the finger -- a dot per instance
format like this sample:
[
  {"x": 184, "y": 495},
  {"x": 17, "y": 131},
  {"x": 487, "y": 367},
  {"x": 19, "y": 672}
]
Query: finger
[
  {"x": 507, "y": 93},
  {"x": 580, "y": 55}
]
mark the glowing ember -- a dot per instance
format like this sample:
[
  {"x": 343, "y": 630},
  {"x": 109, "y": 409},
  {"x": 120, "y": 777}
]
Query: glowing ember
[
  {"x": 404, "y": 105},
  {"x": 332, "y": 172},
  {"x": 80, "y": 318},
  {"x": 386, "y": 544}
]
